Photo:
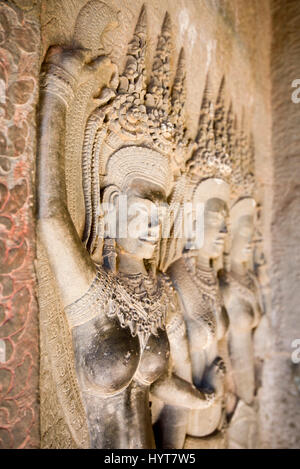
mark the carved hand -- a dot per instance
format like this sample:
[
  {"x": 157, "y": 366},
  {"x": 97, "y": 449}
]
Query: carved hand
[
  {"x": 215, "y": 376},
  {"x": 80, "y": 67},
  {"x": 176, "y": 391}
]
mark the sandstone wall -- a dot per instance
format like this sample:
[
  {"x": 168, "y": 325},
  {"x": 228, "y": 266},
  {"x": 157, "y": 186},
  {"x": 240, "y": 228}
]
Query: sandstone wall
[
  {"x": 280, "y": 410},
  {"x": 19, "y": 363}
]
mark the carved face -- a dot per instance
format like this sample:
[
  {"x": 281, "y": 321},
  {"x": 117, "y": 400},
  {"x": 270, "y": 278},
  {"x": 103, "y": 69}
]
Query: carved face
[
  {"x": 241, "y": 249},
  {"x": 215, "y": 227},
  {"x": 143, "y": 220}
]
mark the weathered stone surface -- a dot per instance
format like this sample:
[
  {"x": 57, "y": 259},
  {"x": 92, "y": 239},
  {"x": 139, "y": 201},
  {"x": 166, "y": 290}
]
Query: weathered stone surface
[
  {"x": 224, "y": 38},
  {"x": 231, "y": 37},
  {"x": 280, "y": 410},
  {"x": 19, "y": 418}
]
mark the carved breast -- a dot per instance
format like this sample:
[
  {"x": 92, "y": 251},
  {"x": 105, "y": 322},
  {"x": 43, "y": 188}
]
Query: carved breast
[
  {"x": 242, "y": 305},
  {"x": 111, "y": 337},
  {"x": 107, "y": 356},
  {"x": 154, "y": 359}
]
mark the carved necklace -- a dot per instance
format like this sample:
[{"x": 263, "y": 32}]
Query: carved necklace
[
  {"x": 148, "y": 304},
  {"x": 210, "y": 296},
  {"x": 140, "y": 302}
]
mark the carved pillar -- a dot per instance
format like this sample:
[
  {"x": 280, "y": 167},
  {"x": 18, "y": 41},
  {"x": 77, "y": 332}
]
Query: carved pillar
[{"x": 19, "y": 356}]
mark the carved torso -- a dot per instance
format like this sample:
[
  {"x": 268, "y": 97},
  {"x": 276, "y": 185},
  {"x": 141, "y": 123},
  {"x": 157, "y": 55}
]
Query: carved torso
[
  {"x": 206, "y": 321},
  {"x": 119, "y": 353},
  {"x": 202, "y": 301},
  {"x": 241, "y": 296},
  {"x": 243, "y": 290}
]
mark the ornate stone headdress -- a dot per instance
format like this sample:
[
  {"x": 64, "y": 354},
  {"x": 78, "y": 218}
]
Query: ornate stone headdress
[
  {"x": 243, "y": 175},
  {"x": 139, "y": 131},
  {"x": 223, "y": 151},
  {"x": 210, "y": 160}
]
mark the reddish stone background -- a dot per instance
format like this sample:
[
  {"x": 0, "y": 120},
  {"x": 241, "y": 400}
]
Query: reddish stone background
[{"x": 19, "y": 43}]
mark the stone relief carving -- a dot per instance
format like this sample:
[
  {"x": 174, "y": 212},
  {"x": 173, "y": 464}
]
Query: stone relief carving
[
  {"x": 207, "y": 173},
  {"x": 19, "y": 42},
  {"x": 117, "y": 332},
  {"x": 241, "y": 295}
]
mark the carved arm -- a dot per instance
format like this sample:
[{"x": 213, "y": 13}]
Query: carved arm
[
  {"x": 175, "y": 391},
  {"x": 63, "y": 70}
]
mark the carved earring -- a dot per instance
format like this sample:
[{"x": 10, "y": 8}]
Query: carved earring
[
  {"x": 226, "y": 261},
  {"x": 227, "y": 249},
  {"x": 109, "y": 254},
  {"x": 153, "y": 263}
]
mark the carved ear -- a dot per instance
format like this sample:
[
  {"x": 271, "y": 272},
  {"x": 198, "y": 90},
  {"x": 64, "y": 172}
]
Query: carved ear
[
  {"x": 109, "y": 219},
  {"x": 111, "y": 194},
  {"x": 109, "y": 211},
  {"x": 110, "y": 197}
]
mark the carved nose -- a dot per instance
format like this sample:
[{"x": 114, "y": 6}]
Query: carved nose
[
  {"x": 153, "y": 231},
  {"x": 224, "y": 229}
]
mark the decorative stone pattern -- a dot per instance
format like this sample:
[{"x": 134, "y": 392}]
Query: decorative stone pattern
[{"x": 19, "y": 42}]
